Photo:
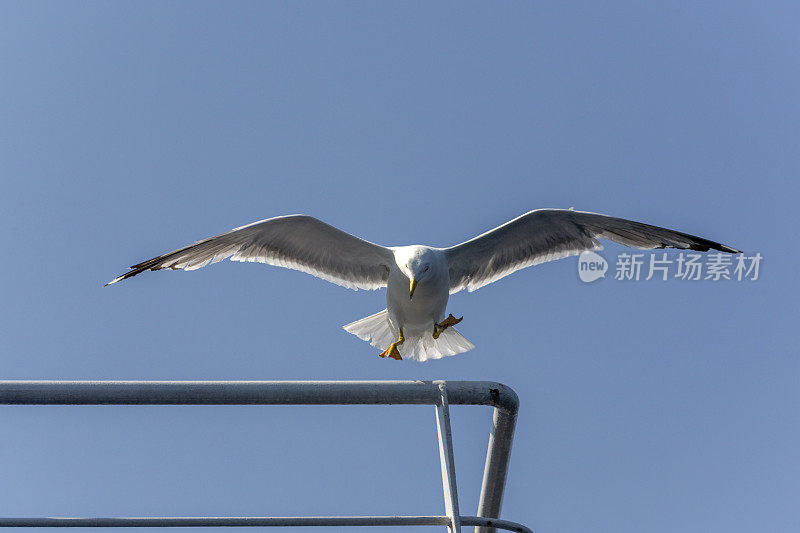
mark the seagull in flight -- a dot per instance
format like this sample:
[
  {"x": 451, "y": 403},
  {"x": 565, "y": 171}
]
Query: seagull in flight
[{"x": 419, "y": 279}]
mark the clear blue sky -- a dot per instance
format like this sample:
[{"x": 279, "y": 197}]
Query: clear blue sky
[{"x": 129, "y": 129}]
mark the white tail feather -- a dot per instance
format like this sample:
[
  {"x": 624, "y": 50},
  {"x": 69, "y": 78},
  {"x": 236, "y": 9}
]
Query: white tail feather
[
  {"x": 375, "y": 329},
  {"x": 380, "y": 333}
]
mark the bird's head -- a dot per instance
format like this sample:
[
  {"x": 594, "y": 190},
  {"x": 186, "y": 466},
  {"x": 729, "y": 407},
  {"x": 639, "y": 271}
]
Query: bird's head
[{"x": 417, "y": 263}]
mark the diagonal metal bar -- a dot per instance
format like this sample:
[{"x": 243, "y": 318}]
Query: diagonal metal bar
[{"x": 447, "y": 460}]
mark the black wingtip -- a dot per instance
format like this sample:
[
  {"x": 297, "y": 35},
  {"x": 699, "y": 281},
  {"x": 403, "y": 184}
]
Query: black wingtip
[
  {"x": 725, "y": 248},
  {"x": 113, "y": 281},
  {"x": 703, "y": 245},
  {"x": 733, "y": 250}
]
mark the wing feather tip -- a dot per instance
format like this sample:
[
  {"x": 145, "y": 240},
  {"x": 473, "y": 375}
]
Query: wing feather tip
[
  {"x": 730, "y": 249},
  {"x": 126, "y": 275}
]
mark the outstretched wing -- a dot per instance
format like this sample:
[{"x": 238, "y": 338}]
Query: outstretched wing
[
  {"x": 298, "y": 242},
  {"x": 548, "y": 234}
]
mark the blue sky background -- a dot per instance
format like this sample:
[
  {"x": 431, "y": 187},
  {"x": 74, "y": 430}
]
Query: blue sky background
[{"x": 129, "y": 129}]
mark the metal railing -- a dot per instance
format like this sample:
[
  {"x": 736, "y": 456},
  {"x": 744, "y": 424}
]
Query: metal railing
[{"x": 440, "y": 394}]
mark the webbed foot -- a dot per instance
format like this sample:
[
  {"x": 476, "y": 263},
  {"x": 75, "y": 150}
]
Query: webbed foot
[
  {"x": 392, "y": 351},
  {"x": 444, "y": 324}
]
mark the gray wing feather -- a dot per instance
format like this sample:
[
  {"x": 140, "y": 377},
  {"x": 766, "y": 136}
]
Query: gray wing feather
[
  {"x": 548, "y": 234},
  {"x": 298, "y": 242}
]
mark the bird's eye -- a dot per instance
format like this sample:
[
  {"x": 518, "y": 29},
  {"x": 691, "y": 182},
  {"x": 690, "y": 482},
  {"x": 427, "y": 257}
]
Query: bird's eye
[{"x": 426, "y": 269}]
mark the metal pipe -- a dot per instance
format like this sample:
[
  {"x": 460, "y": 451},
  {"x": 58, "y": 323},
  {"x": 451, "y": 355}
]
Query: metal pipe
[
  {"x": 491, "y": 523},
  {"x": 258, "y": 521},
  {"x": 495, "y": 471},
  {"x": 253, "y": 393},
  {"x": 502, "y": 398},
  {"x": 232, "y": 521},
  {"x": 447, "y": 460}
]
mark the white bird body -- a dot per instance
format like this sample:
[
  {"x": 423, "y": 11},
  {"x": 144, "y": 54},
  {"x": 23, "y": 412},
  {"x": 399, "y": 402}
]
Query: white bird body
[
  {"x": 419, "y": 279},
  {"x": 417, "y": 315}
]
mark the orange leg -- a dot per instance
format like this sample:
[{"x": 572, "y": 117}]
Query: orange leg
[{"x": 392, "y": 351}]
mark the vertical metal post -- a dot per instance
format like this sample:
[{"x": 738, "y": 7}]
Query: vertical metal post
[
  {"x": 447, "y": 460},
  {"x": 496, "y": 468}
]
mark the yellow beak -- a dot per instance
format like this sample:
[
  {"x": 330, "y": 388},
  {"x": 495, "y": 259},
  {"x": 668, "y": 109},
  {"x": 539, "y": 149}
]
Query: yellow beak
[{"x": 413, "y": 286}]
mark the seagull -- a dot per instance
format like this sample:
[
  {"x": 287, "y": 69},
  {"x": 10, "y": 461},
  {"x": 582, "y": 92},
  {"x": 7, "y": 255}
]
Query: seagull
[{"x": 419, "y": 279}]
